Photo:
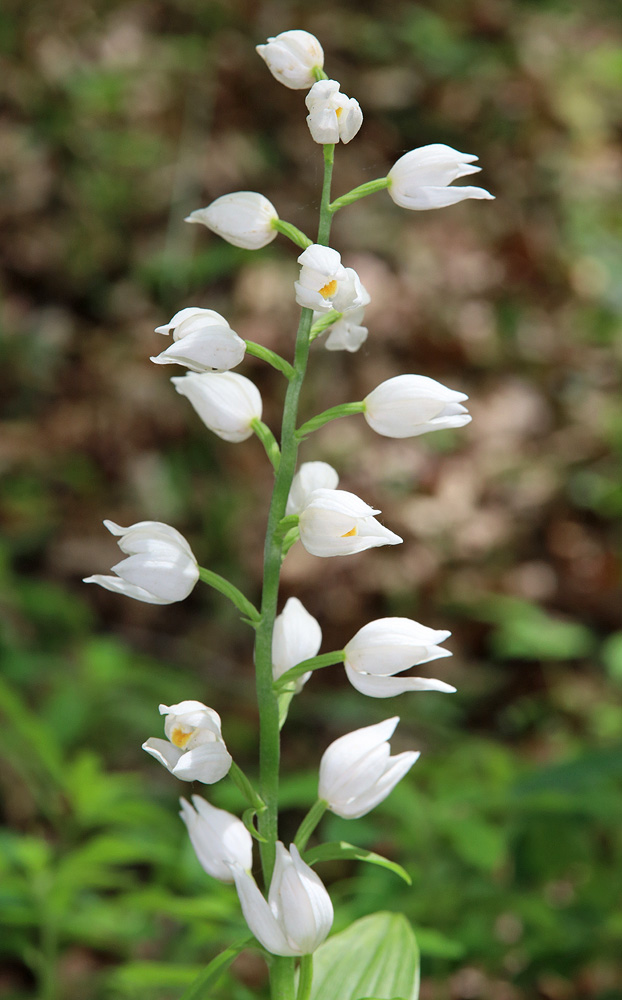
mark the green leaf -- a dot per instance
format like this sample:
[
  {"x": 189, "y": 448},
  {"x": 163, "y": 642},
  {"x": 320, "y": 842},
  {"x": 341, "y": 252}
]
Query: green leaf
[
  {"x": 375, "y": 957},
  {"x": 212, "y": 972},
  {"x": 339, "y": 849}
]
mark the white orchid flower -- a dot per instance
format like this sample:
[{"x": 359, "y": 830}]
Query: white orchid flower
[
  {"x": 409, "y": 405},
  {"x": 292, "y": 57},
  {"x": 202, "y": 341},
  {"x": 226, "y": 402},
  {"x": 160, "y": 568},
  {"x": 325, "y": 284},
  {"x": 298, "y": 914},
  {"x": 297, "y": 636},
  {"x": 357, "y": 771},
  {"x": 332, "y": 116},
  {"x": 218, "y": 838},
  {"x": 194, "y": 749},
  {"x": 338, "y": 523},
  {"x": 419, "y": 179},
  {"x": 310, "y": 476},
  {"x": 389, "y": 646},
  {"x": 244, "y": 218}
]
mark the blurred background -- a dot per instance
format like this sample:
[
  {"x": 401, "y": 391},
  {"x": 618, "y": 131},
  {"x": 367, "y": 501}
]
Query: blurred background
[{"x": 118, "y": 118}]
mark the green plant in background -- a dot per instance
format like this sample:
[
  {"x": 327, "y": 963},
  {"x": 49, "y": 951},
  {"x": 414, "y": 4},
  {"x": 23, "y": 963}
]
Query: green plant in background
[{"x": 356, "y": 771}]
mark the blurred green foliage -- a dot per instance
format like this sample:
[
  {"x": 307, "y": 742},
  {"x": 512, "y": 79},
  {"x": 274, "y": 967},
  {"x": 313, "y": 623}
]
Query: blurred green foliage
[{"x": 119, "y": 118}]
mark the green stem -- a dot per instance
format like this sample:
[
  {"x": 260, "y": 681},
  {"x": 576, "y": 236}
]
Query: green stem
[
  {"x": 335, "y": 412},
  {"x": 269, "y": 442},
  {"x": 306, "y": 977},
  {"x": 267, "y": 701},
  {"x": 309, "y": 823},
  {"x": 313, "y": 663},
  {"x": 362, "y": 191},
  {"x": 292, "y": 232},
  {"x": 282, "y": 982},
  {"x": 235, "y": 596},
  {"x": 245, "y": 786},
  {"x": 323, "y": 323},
  {"x": 274, "y": 359}
]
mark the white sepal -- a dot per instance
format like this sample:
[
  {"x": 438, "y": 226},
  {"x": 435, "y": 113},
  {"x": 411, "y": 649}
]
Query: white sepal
[
  {"x": 243, "y": 218},
  {"x": 196, "y": 751},
  {"x": 338, "y": 523},
  {"x": 202, "y": 341},
  {"x": 310, "y": 476},
  {"x": 409, "y": 405},
  {"x": 357, "y": 771},
  {"x": 160, "y": 568},
  {"x": 389, "y": 646},
  {"x": 291, "y": 57},
  {"x": 218, "y": 838},
  {"x": 332, "y": 116},
  {"x": 297, "y": 636},
  {"x": 419, "y": 179},
  {"x": 347, "y": 333},
  {"x": 298, "y": 914},
  {"x": 226, "y": 402}
]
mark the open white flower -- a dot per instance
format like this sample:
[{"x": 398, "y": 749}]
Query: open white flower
[
  {"x": 194, "y": 749},
  {"x": 243, "y": 218},
  {"x": 297, "y": 636},
  {"x": 310, "y": 476},
  {"x": 347, "y": 333},
  {"x": 338, "y": 523},
  {"x": 332, "y": 116},
  {"x": 298, "y": 914},
  {"x": 160, "y": 568},
  {"x": 226, "y": 402},
  {"x": 389, "y": 646},
  {"x": 219, "y": 839},
  {"x": 202, "y": 341},
  {"x": 419, "y": 179},
  {"x": 409, "y": 405},
  {"x": 325, "y": 284},
  {"x": 292, "y": 57},
  {"x": 357, "y": 771}
]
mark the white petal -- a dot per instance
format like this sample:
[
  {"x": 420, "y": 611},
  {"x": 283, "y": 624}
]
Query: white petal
[
  {"x": 163, "y": 751},
  {"x": 117, "y": 586},
  {"x": 206, "y": 349},
  {"x": 297, "y": 636},
  {"x": 226, "y": 402},
  {"x": 258, "y": 915},
  {"x": 311, "y": 476},
  {"x": 389, "y": 687},
  {"x": 207, "y": 763}
]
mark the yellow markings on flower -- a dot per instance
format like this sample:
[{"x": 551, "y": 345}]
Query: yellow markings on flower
[
  {"x": 329, "y": 289},
  {"x": 338, "y": 112},
  {"x": 180, "y": 738},
  {"x": 350, "y": 533}
]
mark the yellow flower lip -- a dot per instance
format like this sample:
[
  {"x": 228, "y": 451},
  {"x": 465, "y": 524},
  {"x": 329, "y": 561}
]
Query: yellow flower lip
[
  {"x": 180, "y": 738},
  {"x": 329, "y": 289},
  {"x": 350, "y": 533}
]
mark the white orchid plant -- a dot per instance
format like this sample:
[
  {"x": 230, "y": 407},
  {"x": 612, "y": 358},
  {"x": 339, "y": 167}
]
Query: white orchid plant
[{"x": 293, "y": 918}]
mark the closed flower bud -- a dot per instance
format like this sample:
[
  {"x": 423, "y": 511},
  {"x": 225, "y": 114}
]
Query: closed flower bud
[
  {"x": 297, "y": 636},
  {"x": 325, "y": 284},
  {"x": 243, "y": 218},
  {"x": 419, "y": 179},
  {"x": 332, "y": 116},
  {"x": 338, "y": 523},
  {"x": 311, "y": 476},
  {"x": 160, "y": 568},
  {"x": 194, "y": 749},
  {"x": 389, "y": 646},
  {"x": 347, "y": 334},
  {"x": 408, "y": 405},
  {"x": 357, "y": 771},
  {"x": 219, "y": 839},
  {"x": 291, "y": 57},
  {"x": 202, "y": 341},
  {"x": 226, "y": 402},
  {"x": 298, "y": 913}
]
